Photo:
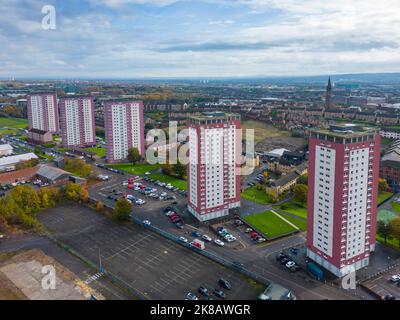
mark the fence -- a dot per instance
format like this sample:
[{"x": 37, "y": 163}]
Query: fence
[
  {"x": 95, "y": 266},
  {"x": 210, "y": 255}
]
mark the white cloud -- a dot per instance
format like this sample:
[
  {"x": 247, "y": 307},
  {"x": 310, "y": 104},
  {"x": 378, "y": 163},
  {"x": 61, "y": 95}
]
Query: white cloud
[{"x": 120, "y": 3}]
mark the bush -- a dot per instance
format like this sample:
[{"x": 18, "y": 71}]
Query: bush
[{"x": 122, "y": 210}]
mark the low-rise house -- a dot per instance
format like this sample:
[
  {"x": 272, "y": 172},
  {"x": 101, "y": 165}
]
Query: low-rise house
[
  {"x": 287, "y": 181},
  {"x": 9, "y": 163}
]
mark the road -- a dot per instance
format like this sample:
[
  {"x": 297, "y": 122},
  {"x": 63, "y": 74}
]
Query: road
[{"x": 256, "y": 258}]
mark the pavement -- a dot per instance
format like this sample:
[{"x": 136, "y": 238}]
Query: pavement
[
  {"x": 149, "y": 264},
  {"x": 255, "y": 258}
]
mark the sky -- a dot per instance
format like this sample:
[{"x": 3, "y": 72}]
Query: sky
[{"x": 128, "y": 39}]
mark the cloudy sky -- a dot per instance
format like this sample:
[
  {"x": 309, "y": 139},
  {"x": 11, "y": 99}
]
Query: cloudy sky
[{"x": 199, "y": 38}]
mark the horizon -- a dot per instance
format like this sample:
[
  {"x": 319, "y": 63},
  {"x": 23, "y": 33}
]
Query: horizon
[{"x": 181, "y": 39}]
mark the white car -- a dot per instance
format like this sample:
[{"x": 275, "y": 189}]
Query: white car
[
  {"x": 147, "y": 173},
  {"x": 290, "y": 264},
  {"x": 183, "y": 239},
  {"x": 146, "y": 222},
  {"x": 395, "y": 278},
  {"x": 206, "y": 238},
  {"x": 1, "y": 236},
  {"x": 219, "y": 242},
  {"x": 125, "y": 184}
]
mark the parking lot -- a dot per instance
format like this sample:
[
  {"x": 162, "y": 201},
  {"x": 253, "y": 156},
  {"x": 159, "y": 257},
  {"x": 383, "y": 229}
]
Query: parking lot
[
  {"x": 383, "y": 286},
  {"x": 154, "y": 267}
]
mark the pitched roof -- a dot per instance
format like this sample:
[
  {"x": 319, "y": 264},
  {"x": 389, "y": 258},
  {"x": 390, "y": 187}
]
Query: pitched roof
[{"x": 52, "y": 173}]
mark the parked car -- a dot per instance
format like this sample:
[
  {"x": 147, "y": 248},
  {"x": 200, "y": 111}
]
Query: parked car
[
  {"x": 219, "y": 242},
  {"x": 290, "y": 264},
  {"x": 395, "y": 278},
  {"x": 219, "y": 293},
  {"x": 146, "y": 222},
  {"x": 206, "y": 238},
  {"x": 204, "y": 291},
  {"x": 183, "y": 239},
  {"x": 224, "y": 283},
  {"x": 191, "y": 296}
]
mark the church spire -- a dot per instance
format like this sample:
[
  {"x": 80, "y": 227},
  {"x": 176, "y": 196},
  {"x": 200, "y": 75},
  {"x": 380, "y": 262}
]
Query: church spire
[{"x": 328, "y": 95}]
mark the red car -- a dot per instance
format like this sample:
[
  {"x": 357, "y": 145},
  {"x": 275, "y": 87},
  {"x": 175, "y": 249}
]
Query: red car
[
  {"x": 173, "y": 217},
  {"x": 254, "y": 234},
  {"x": 130, "y": 186},
  {"x": 131, "y": 180}
]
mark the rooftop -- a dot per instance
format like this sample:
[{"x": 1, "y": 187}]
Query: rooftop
[
  {"x": 214, "y": 116},
  {"x": 15, "y": 159},
  {"x": 345, "y": 131}
]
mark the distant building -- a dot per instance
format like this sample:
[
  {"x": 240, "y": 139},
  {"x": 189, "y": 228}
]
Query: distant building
[
  {"x": 124, "y": 129},
  {"x": 214, "y": 164},
  {"x": 328, "y": 94},
  {"x": 37, "y": 136},
  {"x": 6, "y": 150},
  {"x": 77, "y": 122},
  {"x": 8, "y": 163},
  {"x": 43, "y": 112},
  {"x": 342, "y": 197},
  {"x": 390, "y": 165}
]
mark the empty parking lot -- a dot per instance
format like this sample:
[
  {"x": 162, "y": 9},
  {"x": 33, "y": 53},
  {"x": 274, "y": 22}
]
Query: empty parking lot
[{"x": 153, "y": 266}]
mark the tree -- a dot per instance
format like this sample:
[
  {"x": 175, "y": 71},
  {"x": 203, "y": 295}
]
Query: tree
[
  {"x": 122, "y": 210},
  {"x": 99, "y": 206},
  {"x": 180, "y": 169},
  {"x": 76, "y": 192},
  {"x": 78, "y": 167},
  {"x": 303, "y": 179},
  {"x": 395, "y": 228},
  {"x": 300, "y": 192},
  {"x": 26, "y": 164},
  {"x": 133, "y": 155},
  {"x": 167, "y": 168},
  {"x": 382, "y": 184},
  {"x": 26, "y": 198},
  {"x": 383, "y": 229}
]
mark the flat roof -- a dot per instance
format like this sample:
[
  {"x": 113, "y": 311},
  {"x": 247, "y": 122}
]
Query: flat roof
[
  {"x": 215, "y": 115},
  {"x": 15, "y": 159},
  {"x": 345, "y": 131}
]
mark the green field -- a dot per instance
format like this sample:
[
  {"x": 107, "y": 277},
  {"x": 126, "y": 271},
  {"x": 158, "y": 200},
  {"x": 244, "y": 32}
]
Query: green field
[
  {"x": 176, "y": 182},
  {"x": 395, "y": 206},
  {"x": 263, "y": 130},
  {"x": 140, "y": 168},
  {"x": 299, "y": 222},
  {"x": 293, "y": 208},
  {"x": 269, "y": 224},
  {"x": 393, "y": 243},
  {"x": 101, "y": 152},
  {"x": 12, "y": 125},
  {"x": 383, "y": 195},
  {"x": 255, "y": 195}
]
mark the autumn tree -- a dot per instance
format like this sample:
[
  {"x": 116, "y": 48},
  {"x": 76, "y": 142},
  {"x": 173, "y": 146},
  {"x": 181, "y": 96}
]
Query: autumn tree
[
  {"x": 133, "y": 155},
  {"x": 395, "y": 228},
  {"x": 382, "y": 184},
  {"x": 122, "y": 209},
  {"x": 303, "y": 179},
  {"x": 99, "y": 206},
  {"x": 26, "y": 198},
  {"x": 300, "y": 192},
  {"x": 76, "y": 192}
]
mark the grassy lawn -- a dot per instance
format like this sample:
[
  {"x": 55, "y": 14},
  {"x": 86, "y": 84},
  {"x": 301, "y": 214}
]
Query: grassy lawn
[
  {"x": 395, "y": 206},
  {"x": 101, "y": 152},
  {"x": 300, "y": 223},
  {"x": 269, "y": 224},
  {"x": 255, "y": 195},
  {"x": 386, "y": 215},
  {"x": 383, "y": 195},
  {"x": 293, "y": 208},
  {"x": 263, "y": 130},
  {"x": 393, "y": 243},
  {"x": 140, "y": 168},
  {"x": 12, "y": 125},
  {"x": 176, "y": 182}
]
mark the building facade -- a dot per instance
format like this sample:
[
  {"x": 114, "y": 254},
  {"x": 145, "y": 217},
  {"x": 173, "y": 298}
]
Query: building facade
[
  {"x": 37, "y": 136},
  {"x": 342, "y": 197},
  {"x": 124, "y": 129},
  {"x": 43, "y": 112},
  {"x": 77, "y": 122},
  {"x": 213, "y": 169}
]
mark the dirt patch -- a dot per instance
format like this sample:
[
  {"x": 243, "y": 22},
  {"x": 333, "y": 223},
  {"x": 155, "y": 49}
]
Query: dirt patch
[
  {"x": 21, "y": 278},
  {"x": 290, "y": 143}
]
